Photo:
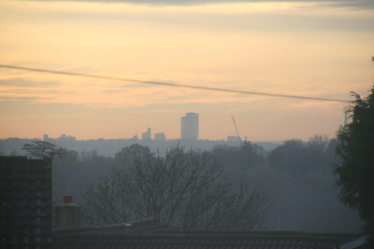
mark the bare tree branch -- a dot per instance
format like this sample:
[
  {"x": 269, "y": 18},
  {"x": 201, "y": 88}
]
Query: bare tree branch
[{"x": 182, "y": 188}]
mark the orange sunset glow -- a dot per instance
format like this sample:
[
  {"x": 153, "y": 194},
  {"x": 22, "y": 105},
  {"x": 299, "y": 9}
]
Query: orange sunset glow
[{"x": 317, "y": 49}]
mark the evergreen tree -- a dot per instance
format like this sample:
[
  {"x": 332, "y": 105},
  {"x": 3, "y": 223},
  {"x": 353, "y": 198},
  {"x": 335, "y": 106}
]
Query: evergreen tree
[{"x": 356, "y": 149}]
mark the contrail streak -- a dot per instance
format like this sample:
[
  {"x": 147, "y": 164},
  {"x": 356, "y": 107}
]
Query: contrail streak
[{"x": 170, "y": 84}]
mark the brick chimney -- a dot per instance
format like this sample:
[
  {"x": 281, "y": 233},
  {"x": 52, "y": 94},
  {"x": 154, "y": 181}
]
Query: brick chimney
[{"x": 67, "y": 213}]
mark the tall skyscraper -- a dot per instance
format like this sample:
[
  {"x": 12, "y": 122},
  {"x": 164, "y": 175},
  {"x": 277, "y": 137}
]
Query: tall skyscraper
[
  {"x": 190, "y": 126},
  {"x": 147, "y": 135}
]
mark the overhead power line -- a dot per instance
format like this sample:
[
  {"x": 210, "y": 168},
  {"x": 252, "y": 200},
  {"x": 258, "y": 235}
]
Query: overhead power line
[{"x": 170, "y": 84}]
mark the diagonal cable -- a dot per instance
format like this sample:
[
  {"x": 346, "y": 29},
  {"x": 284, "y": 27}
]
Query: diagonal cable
[{"x": 170, "y": 84}]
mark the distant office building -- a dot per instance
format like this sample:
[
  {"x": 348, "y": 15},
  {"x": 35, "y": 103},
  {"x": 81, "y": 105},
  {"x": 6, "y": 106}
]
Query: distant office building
[
  {"x": 62, "y": 138},
  {"x": 233, "y": 139},
  {"x": 147, "y": 135},
  {"x": 135, "y": 137},
  {"x": 190, "y": 126},
  {"x": 65, "y": 138},
  {"x": 160, "y": 136}
]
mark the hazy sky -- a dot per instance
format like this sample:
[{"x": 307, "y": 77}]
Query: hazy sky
[{"x": 318, "y": 49}]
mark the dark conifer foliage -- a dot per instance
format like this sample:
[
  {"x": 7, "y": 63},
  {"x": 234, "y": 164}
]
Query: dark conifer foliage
[{"x": 356, "y": 172}]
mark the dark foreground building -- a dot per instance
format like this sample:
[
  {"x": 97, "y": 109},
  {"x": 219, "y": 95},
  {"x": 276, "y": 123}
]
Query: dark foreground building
[{"x": 26, "y": 202}]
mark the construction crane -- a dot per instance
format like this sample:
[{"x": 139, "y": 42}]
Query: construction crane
[{"x": 236, "y": 128}]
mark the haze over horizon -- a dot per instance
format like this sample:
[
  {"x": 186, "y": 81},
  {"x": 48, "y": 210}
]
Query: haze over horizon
[{"x": 317, "y": 49}]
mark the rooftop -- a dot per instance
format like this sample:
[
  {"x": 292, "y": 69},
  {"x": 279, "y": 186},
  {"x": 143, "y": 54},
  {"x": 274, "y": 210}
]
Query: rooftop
[
  {"x": 144, "y": 226},
  {"x": 201, "y": 239}
]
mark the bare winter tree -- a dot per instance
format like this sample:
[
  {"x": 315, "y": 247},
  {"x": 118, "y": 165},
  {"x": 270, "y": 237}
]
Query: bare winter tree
[
  {"x": 36, "y": 149},
  {"x": 182, "y": 188}
]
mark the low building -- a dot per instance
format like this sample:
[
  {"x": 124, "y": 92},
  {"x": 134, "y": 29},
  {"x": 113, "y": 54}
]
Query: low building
[
  {"x": 233, "y": 139},
  {"x": 160, "y": 136}
]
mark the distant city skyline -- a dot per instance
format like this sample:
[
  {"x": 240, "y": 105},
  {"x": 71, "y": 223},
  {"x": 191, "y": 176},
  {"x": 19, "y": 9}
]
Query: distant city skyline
[
  {"x": 159, "y": 136},
  {"x": 192, "y": 131},
  {"x": 109, "y": 147},
  {"x": 189, "y": 131}
]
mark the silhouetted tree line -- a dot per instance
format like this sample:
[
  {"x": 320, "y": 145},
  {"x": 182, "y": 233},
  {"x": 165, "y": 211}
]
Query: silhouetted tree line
[{"x": 296, "y": 177}]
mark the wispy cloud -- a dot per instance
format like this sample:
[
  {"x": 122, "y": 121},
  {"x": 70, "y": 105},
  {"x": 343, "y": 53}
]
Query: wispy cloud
[
  {"x": 335, "y": 3},
  {"x": 27, "y": 83}
]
